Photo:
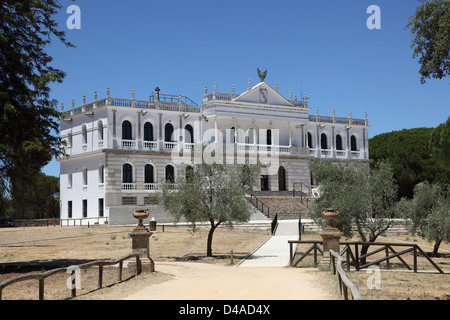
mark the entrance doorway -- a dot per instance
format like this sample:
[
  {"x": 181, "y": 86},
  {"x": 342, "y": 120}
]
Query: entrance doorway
[
  {"x": 264, "y": 183},
  {"x": 281, "y": 179}
]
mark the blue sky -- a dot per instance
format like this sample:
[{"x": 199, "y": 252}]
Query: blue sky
[{"x": 321, "y": 47}]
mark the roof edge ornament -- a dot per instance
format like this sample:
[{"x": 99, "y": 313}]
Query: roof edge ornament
[{"x": 262, "y": 75}]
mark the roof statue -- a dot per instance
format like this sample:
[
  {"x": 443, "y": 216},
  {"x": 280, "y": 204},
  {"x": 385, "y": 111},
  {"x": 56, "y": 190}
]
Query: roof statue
[{"x": 262, "y": 75}]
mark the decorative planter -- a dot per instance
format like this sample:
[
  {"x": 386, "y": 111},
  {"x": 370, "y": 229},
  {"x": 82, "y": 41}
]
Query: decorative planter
[
  {"x": 141, "y": 214},
  {"x": 330, "y": 215}
]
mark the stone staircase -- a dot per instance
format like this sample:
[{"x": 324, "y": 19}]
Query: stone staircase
[{"x": 282, "y": 203}]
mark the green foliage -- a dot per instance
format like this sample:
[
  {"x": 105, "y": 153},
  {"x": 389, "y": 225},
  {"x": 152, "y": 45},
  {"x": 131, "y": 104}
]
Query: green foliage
[
  {"x": 34, "y": 198},
  {"x": 408, "y": 152},
  {"x": 364, "y": 197},
  {"x": 430, "y": 28},
  {"x": 440, "y": 145},
  {"x": 429, "y": 212},
  {"x": 28, "y": 116},
  {"x": 211, "y": 193}
]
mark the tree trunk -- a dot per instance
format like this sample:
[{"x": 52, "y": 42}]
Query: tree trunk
[
  {"x": 436, "y": 248},
  {"x": 365, "y": 247},
  {"x": 364, "y": 250},
  {"x": 210, "y": 238}
]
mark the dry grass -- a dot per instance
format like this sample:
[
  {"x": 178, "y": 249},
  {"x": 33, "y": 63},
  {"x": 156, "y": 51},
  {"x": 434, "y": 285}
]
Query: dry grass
[
  {"x": 397, "y": 283},
  {"x": 75, "y": 245}
]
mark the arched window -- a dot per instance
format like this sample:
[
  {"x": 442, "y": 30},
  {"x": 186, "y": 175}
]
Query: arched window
[
  {"x": 127, "y": 173},
  {"x": 269, "y": 137},
  {"x": 69, "y": 180},
  {"x": 168, "y": 131},
  {"x": 233, "y": 134},
  {"x": 85, "y": 176},
  {"x": 100, "y": 130},
  {"x": 126, "y": 130},
  {"x": 84, "y": 134},
  {"x": 101, "y": 174},
  {"x": 69, "y": 140},
  {"x": 148, "y": 131},
  {"x": 170, "y": 173},
  {"x": 323, "y": 141},
  {"x": 353, "y": 143},
  {"x": 309, "y": 140},
  {"x": 338, "y": 142},
  {"x": 189, "y": 134},
  {"x": 281, "y": 179},
  {"x": 149, "y": 174}
]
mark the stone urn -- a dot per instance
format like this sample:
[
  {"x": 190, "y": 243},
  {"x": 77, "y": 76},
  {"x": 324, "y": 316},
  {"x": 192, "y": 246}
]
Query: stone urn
[
  {"x": 141, "y": 214},
  {"x": 330, "y": 238},
  {"x": 330, "y": 215}
]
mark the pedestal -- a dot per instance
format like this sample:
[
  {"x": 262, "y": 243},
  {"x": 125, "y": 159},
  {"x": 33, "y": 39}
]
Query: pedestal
[
  {"x": 141, "y": 244},
  {"x": 331, "y": 239}
]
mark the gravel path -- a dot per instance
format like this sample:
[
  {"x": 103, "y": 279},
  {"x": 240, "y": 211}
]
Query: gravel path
[{"x": 203, "y": 281}]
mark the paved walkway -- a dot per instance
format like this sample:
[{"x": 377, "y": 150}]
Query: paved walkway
[{"x": 275, "y": 251}]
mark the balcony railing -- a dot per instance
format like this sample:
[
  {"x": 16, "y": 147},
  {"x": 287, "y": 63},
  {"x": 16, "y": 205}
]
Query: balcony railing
[
  {"x": 327, "y": 119},
  {"x": 151, "y": 145},
  {"x": 151, "y": 186},
  {"x": 170, "y": 145},
  {"x": 263, "y": 148},
  {"x": 128, "y": 186},
  {"x": 165, "y": 102},
  {"x": 332, "y": 153},
  {"x": 128, "y": 144}
]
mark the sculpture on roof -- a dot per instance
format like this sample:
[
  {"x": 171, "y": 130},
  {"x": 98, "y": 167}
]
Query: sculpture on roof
[{"x": 262, "y": 75}]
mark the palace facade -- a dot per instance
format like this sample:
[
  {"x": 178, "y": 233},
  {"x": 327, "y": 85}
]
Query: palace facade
[{"x": 118, "y": 151}]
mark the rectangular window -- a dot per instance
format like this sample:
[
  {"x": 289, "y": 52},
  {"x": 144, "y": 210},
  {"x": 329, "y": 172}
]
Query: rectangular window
[
  {"x": 129, "y": 200},
  {"x": 84, "y": 208},
  {"x": 101, "y": 174},
  {"x": 100, "y": 207},
  {"x": 69, "y": 209}
]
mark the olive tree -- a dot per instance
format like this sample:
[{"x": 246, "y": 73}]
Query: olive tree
[
  {"x": 213, "y": 193},
  {"x": 428, "y": 213},
  {"x": 364, "y": 197}
]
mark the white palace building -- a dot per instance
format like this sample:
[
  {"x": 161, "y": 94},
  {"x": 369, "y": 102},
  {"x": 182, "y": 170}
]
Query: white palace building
[{"x": 118, "y": 151}]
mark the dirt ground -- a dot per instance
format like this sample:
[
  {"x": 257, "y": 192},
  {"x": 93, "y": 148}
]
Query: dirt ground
[
  {"x": 204, "y": 279},
  {"x": 44, "y": 248}
]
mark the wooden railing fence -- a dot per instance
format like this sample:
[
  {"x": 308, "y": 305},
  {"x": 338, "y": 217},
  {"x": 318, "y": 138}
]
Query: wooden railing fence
[
  {"x": 344, "y": 283},
  {"x": 41, "y": 276},
  {"x": 354, "y": 258}
]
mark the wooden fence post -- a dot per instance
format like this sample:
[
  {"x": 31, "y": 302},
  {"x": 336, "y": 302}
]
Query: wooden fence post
[
  {"x": 74, "y": 289},
  {"x": 41, "y": 289},
  {"x": 415, "y": 258},
  {"x": 291, "y": 258},
  {"x": 100, "y": 276},
  {"x": 120, "y": 270}
]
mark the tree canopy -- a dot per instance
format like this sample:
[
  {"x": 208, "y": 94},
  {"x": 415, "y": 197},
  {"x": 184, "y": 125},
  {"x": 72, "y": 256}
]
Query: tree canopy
[
  {"x": 428, "y": 213},
  {"x": 440, "y": 145},
  {"x": 27, "y": 114},
  {"x": 409, "y": 154},
  {"x": 364, "y": 197},
  {"x": 212, "y": 193},
  {"x": 430, "y": 28}
]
